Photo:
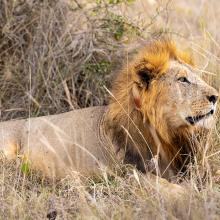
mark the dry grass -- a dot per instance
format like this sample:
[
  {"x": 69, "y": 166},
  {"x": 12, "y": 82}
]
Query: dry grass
[
  {"x": 56, "y": 56},
  {"x": 53, "y": 57}
]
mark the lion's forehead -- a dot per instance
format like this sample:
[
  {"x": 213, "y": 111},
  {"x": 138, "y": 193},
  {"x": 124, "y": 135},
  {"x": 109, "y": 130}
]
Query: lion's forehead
[{"x": 193, "y": 74}]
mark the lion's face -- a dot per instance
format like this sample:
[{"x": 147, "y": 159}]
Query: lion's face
[{"x": 179, "y": 98}]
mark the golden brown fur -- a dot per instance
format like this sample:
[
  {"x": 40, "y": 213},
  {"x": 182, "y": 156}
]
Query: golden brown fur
[
  {"x": 158, "y": 105},
  {"x": 137, "y": 119}
]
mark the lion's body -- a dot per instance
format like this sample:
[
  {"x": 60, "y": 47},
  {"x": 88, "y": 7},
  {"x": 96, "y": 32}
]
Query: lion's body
[
  {"x": 59, "y": 144},
  {"x": 158, "y": 104}
]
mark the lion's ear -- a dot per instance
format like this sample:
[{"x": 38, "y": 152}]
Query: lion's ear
[
  {"x": 145, "y": 76},
  {"x": 136, "y": 96}
]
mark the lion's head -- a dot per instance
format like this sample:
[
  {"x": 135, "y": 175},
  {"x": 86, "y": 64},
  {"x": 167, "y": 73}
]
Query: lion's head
[
  {"x": 161, "y": 92},
  {"x": 167, "y": 89}
]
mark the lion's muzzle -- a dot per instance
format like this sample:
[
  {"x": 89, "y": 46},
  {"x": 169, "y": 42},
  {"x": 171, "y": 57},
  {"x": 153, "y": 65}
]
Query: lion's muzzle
[{"x": 193, "y": 119}]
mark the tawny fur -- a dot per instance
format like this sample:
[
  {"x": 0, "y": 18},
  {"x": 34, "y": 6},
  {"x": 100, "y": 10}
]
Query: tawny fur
[
  {"x": 139, "y": 125},
  {"x": 144, "y": 125}
]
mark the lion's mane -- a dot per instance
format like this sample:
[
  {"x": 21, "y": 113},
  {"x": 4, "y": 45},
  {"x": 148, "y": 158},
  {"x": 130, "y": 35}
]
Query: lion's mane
[{"x": 131, "y": 130}]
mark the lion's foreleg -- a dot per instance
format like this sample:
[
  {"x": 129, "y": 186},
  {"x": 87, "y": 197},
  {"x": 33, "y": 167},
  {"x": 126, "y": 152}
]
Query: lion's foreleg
[{"x": 167, "y": 189}]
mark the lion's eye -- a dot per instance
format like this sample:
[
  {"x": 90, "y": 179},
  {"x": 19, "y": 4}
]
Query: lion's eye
[{"x": 184, "y": 80}]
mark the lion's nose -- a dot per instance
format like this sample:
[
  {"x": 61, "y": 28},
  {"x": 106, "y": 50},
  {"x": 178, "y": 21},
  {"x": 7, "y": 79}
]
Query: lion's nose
[{"x": 212, "y": 98}]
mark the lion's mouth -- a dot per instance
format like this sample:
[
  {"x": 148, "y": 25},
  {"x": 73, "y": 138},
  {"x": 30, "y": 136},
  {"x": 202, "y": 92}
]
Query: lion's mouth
[{"x": 195, "y": 119}]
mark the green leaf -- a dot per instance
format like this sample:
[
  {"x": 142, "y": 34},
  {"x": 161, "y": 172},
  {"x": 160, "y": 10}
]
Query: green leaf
[{"x": 25, "y": 167}]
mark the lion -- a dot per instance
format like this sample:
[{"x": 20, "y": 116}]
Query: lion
[{"x": 158, "y": 103}]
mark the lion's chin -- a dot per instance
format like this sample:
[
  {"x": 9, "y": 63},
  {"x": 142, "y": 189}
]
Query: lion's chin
[{"x": 207, "y": 123}]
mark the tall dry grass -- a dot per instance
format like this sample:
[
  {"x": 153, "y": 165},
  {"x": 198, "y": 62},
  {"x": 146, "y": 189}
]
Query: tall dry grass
[
  {"x": 58, "y": 55},
  {"x": 55, "y": 56}
]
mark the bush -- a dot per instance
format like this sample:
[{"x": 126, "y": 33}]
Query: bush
[{"x": 56, "y": 56}]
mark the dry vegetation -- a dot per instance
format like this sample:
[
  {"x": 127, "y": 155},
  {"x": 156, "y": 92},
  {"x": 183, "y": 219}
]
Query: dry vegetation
[{"x": 58, "y": 55}]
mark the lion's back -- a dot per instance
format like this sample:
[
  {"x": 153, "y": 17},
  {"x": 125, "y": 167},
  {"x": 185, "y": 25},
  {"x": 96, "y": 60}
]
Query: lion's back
[
  {"x": 66, "y": 141},
  {"x": 59, "y": 143}
]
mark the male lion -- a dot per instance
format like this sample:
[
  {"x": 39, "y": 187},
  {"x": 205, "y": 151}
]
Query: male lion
[{"x": 158, "y": 104}]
